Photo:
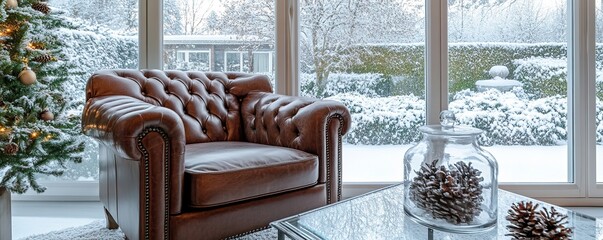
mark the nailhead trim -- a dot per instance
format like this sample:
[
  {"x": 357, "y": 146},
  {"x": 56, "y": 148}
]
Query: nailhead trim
[
  {"x": 328, "y": 156},
  {"x": 248, "y": 232},
  {"x": 147, "y": 196}
]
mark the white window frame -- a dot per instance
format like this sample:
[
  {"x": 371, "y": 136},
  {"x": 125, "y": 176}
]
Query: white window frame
[{"x": 581, "y": 94}]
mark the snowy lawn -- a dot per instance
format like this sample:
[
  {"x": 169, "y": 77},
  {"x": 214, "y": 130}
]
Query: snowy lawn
[{"x": 384, "y": 163}]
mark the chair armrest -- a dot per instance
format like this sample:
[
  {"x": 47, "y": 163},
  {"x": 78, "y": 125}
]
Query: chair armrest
[
  {"x": 139, "y": 131},
  {"x": 117, "y": 121},
  {"x": 311, "y": 125}
]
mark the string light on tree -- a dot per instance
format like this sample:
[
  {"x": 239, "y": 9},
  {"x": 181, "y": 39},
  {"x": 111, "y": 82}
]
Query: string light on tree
[{"x": 35, "y": 135}]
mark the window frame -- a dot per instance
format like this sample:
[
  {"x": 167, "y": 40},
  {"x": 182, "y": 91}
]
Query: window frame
[{"x": 581, "y": 92}]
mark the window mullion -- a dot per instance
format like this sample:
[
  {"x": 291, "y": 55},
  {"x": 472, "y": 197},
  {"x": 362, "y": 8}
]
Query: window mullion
[
  {"x": 436, "y": 59},
  {"x": 150, "y": 34},
  {"x": 287, "y": 47}
]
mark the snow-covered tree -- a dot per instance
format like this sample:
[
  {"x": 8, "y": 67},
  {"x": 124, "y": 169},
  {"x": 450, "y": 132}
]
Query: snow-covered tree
[
  {"x": 519, "y": 21},
  {"x": 254, "y": 18},
  {"x": 329, "y": 27},
  {"x": 38, "y": 133},
  {"x": 194, "y": 14},
  {"x": 118, "y": 15},
  {"x": 172, "y": 20}
]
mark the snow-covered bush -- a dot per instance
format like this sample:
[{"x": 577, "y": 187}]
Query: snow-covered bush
[
  {"x": 383, "y": 120},
  {"x": 542, "y": 77},
  {"x": 509, "y": 119},
  {"x": 368, "y": 84}
]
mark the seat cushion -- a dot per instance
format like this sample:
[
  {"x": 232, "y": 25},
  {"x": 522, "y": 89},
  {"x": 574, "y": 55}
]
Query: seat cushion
[{"x": 218, "y": 173}]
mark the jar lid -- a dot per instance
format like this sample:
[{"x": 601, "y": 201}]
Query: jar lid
[{"x": 447, "y": 127}]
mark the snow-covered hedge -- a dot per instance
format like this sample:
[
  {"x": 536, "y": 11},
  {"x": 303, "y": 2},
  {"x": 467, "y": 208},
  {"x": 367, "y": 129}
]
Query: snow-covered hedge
[
  {"x": 508, "y": 118},
  {"x": 368, "y": 84},
  {"x": 542, "y": 77},
  {"x": 468, "y": 62},
  {"x": 383, "y": 120}
]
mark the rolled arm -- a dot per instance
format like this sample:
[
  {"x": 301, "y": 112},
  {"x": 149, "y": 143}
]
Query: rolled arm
[
  {"x": 143, "y": 132},
  {"x": 311, "y": 125},
  {"x": 118, "y": 120}
]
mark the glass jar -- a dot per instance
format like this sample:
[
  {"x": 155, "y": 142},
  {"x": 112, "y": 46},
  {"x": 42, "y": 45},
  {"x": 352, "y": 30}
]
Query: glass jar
[{"x": 450, "y": 183}]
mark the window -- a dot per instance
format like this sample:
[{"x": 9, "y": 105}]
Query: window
[
  {"x": 507, "y": 75},
  {"x": 193, "y": 59},
  {"x": 219, "y": 35},
  {"x": 599, "y": 90},
  {"x": 237, "y": 61},
  {"x": 370, "y": 57},
  {"x": 111, "y": 43},
  {"x": 262, "y": 62}
]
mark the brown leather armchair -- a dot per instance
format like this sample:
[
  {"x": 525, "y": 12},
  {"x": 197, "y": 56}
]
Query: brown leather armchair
[{"x": 192, "y": 155}]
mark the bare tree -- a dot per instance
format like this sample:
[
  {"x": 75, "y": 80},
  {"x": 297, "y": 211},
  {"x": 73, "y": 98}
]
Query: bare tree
[
  {"x": 194, "y": 14},
  {"x": 329, "y": 27},
  {"x": 252, "y": 18}
]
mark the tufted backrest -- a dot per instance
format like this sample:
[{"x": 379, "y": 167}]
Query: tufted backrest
[{"x": 208, "y": 103}]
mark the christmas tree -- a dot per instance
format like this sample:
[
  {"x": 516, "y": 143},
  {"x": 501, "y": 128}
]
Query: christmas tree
[{"x": 39, "y": 129}]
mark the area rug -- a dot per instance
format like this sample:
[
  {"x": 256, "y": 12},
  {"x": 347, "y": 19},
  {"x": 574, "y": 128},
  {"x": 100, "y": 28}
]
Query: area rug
[{"x": 97, "y": 230}]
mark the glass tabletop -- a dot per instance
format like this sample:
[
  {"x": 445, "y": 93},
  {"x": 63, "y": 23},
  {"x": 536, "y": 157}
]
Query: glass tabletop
[{"x": 380, "y": 215}]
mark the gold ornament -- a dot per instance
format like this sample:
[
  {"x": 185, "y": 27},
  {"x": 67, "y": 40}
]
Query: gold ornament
[
  {"x": 11, "y": 148},
  {"x": 46, "y": 115},
  {"x": 11, "y": 4},
  {"x": 27, "y": 76}
]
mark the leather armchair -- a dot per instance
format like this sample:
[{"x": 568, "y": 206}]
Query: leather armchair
[{"x": 193, "y": 155}]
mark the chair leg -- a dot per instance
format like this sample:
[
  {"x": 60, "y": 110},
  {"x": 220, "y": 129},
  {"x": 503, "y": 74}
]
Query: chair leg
[{"x": 111, "y": 223}]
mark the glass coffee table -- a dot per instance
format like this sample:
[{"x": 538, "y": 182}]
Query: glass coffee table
[{"x": 380, "y": 215}]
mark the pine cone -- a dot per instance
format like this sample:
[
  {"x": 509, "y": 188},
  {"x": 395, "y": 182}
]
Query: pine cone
[
  {"x": 11, "y": 148},
  {"x": 42, "y": 7},
  {"x": 453, "y": 195},
  {"x": 524, "y": 221},
  {"x": 553, "y": 223},
  {"x": 528, "y": 223},
  {"x": 44, "y": 58}
]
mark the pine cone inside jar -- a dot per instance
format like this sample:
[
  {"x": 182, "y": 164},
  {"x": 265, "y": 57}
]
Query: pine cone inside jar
[
  {"x": 553, "y": 223},
  {"x": 453, "y": 194},
  {"x": 524, "y": 221},
  {"x": 42, "y": 7}
]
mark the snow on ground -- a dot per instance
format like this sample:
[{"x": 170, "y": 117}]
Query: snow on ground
[{"x": 384, "y": 163}]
